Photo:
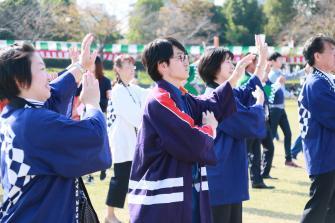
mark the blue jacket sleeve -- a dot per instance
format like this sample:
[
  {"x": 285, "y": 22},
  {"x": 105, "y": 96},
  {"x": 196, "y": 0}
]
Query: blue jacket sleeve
[
  {"x": 244, "y": 93},
  {"x": 321, "y": 99},
  {"x": 245, "y": 123},
  {"x": 177, "y": 133},
  {"x": 57, "y": 145},
  {"x": 221, "y": 102},
  {"x": 63, "y": 90}
]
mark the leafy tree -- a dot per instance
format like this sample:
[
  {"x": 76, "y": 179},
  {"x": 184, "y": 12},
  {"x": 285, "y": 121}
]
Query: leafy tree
[
  {"x": 221, "y": 22},
  {"x": 59, "y": 20},
  {"x": 143, "y": 21},
  {"x": 314, "y": 16},
  {"x": 188, "y": 21},
  {"x": 278, "y": 14},
  {"x": 58, "y": 2},
  {"x": 96, "y": 19},
  {"x": 245, "y": 18},
  {"x": 6, "y": 34}
]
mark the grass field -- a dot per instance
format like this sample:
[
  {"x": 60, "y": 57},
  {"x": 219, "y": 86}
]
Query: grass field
[{"x": 281, "y": 205}]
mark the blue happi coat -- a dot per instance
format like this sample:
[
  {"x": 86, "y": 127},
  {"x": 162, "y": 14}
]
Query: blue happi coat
[
  {"x": 169, "y": 142},
  {"x": 317, "y": 122},
  {"x": 43, "y": 152},
  {"x": 228, "y": 179}
]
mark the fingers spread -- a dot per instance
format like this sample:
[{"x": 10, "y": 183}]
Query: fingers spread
[{"x": 84, "y": 42}]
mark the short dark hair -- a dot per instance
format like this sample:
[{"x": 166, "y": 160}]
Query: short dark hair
[
  {"x": 314, "y": 45},
  {"x": 159, "y": 51},
  {"x": 15, "y": 66},
  {"x": 210, "y": 63},
  {"x": 274, "y": 56}
]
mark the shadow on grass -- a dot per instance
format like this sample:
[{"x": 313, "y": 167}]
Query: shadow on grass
[
  {"x": 272, "y": 214},
  {"x": 299, "y": 182},
  {"x": 291, "y": 192}
]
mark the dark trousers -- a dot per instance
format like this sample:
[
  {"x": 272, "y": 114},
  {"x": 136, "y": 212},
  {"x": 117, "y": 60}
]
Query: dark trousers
[
  {"x": 321, "y": 206},
  {"x": 254, "y": 156},
  {"x": 228, "y": 213},
  {"x": 268, "y": 151},
  {"x": 278, "y": 117},
  {"x": 118, "y": 186}
]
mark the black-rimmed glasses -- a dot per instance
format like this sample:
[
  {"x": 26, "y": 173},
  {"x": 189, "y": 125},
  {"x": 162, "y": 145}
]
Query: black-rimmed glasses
[{"x": 181, "y": 57}]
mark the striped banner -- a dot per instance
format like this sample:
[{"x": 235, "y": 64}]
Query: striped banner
[{"x": 59, "y": 50}]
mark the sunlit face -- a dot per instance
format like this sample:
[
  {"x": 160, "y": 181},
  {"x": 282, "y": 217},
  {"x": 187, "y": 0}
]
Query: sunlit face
[
  {"x": 39, "y": 88},
  {"x": 326, "y": 59},
  {"x": 126, "y": 71},
  {"x": 179, "y": 65},
  {"x": 226, "y": 69}
]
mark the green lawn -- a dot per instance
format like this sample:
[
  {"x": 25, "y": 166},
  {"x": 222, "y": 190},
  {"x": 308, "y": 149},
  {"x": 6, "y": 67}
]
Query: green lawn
[{"x": 281, "y": 205}]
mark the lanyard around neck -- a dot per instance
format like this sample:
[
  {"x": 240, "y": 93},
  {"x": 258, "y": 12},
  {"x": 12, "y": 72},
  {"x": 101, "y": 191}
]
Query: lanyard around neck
[{"x": 130, "y": 94}]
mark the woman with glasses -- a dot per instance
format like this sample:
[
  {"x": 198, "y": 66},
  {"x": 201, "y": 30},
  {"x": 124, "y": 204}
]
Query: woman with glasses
[{"x": 124, "y": 114}]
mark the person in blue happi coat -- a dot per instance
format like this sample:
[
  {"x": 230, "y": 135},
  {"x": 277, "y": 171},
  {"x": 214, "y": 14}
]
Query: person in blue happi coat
[
  {"x": 228, "y": 179},
  {"x": 44, "y": 152},
  {"x": 317, "y": 123}
]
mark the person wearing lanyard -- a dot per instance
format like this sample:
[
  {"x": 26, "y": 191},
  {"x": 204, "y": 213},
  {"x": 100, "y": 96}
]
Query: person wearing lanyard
[{"x": 124, "y": 114}]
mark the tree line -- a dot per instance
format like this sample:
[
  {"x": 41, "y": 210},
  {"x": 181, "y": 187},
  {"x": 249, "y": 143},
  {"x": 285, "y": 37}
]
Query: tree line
[{"x": 190, "y": 21}]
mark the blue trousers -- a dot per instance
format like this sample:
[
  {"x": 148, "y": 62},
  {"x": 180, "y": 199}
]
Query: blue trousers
[{"x": 297, "y": 147}]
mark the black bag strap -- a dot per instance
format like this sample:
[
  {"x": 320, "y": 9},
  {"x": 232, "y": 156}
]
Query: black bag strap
[{"x": 83, "y": 188}]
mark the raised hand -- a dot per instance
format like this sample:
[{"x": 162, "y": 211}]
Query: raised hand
[
  {"x": 240, "y": 69},
  {"x": 90, "y": 94},
  {"x": 262, "y": 50},
  {"x": 74, "y": 54},
  {"x": 245, "y": 61},
  {"x": 86, "y": 58}
]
